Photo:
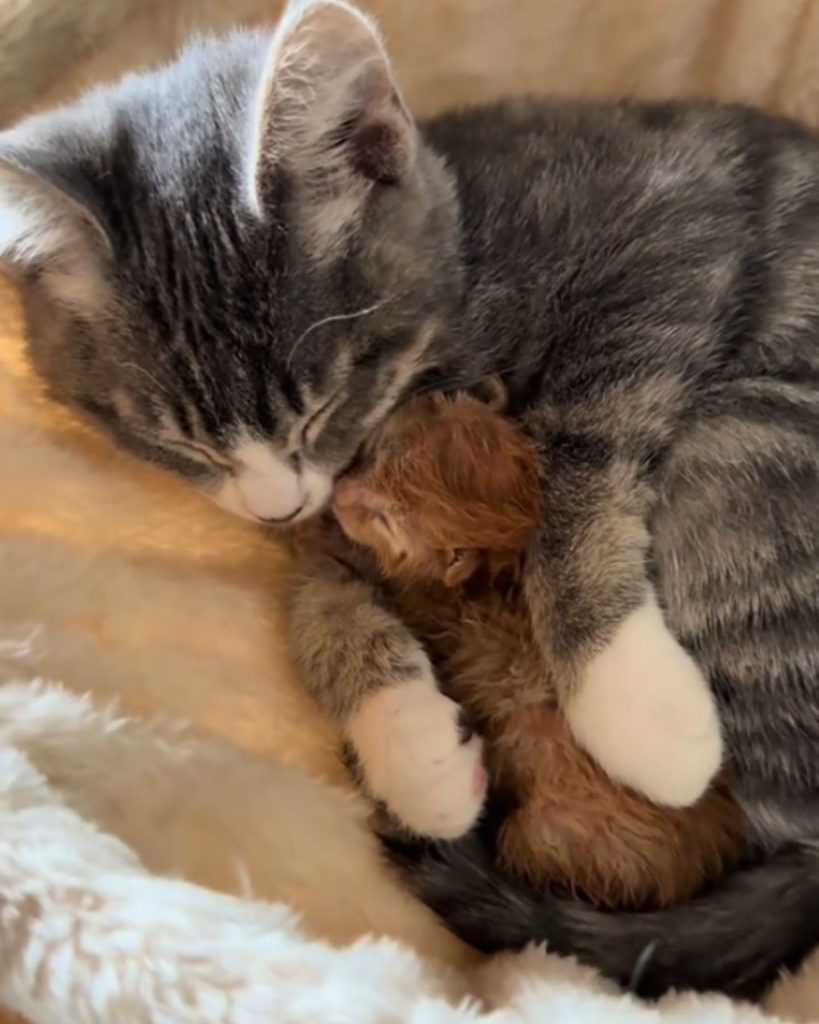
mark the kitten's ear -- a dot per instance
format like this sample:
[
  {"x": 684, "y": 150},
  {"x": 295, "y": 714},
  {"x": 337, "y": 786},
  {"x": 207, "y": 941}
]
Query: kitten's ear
[
  {"x": 329, "y": 110},
  {"x": 45, "y": 229},
  {"x": 492, "y": 392}
]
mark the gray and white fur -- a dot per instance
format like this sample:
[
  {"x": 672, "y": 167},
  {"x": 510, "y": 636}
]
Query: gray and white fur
[{"x": 238, "y": 265}]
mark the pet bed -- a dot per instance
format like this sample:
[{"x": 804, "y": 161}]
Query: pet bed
[{"x": 222, "y": 871}]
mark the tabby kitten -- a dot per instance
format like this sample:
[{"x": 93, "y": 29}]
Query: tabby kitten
[{"x": 238, "y": 264}]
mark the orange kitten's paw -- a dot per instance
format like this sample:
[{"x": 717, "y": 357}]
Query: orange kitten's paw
[{"x": 416, "y": 757}]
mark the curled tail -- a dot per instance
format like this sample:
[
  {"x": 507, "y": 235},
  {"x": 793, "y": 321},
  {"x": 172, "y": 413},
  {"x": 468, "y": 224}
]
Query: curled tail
[{"x": 735, "y": 938}]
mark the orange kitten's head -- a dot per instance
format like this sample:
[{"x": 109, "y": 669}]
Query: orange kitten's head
[{"x": 451, "y": 486}]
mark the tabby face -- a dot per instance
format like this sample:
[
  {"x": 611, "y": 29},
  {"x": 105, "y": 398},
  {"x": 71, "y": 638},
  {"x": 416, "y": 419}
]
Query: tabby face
[{"x": 236, "y": 266}]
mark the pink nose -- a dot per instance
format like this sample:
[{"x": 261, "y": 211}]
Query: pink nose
[
  {"x": 347, "y": 492},
  {"x": 272, "y": 497}
]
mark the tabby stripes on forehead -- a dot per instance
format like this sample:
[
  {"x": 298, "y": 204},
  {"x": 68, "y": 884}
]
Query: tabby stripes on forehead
[
  {"x": 193, "y": 385},
  {"x": 181, "y": 416},
  {"x": 262, "y": 404},
  {"x": 289, "y": 388}
]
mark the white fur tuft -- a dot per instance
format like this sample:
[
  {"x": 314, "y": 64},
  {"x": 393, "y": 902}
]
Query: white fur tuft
[
  {"x": 407, "y": 740},
  {"x": 41, "y": 226},
  {"x": 32, "y": 226},
  {"x": 646, "y": 713}
]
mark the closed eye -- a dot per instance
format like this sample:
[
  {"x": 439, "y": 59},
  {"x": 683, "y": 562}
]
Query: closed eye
[
  {"x": 200, "y": 453},
  {"x": 315, "y": 423},
  {"x": 384, "y": 523}
]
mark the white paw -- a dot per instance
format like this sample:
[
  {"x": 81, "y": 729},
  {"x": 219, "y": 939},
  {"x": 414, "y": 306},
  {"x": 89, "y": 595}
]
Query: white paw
[
  {"x": 409, "y": 745},
  {"x": 646, "y": 714}
]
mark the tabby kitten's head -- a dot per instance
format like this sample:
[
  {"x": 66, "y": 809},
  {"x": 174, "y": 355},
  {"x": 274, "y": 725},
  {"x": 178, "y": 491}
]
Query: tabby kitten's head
[{"x": 238, "y": 264}]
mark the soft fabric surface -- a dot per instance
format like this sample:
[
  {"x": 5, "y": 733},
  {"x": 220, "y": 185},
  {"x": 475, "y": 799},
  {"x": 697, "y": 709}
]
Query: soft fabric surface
[
  {"x": 90, "y": 936},
  {"x": 115, "y": 580},
  {"x": 456, "y": 51}
]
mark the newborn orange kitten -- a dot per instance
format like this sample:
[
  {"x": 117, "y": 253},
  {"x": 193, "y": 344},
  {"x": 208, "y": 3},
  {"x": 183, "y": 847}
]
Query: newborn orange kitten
[{"x": 448, "y": 503}]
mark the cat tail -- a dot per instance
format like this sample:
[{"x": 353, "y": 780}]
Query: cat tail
[
  {"x": 735, "y": 938},
  {"x": 42, "y": 40}
]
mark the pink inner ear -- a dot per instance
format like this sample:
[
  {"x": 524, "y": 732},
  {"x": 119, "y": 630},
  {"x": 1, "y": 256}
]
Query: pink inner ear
[{"x": 377, "y": 153}]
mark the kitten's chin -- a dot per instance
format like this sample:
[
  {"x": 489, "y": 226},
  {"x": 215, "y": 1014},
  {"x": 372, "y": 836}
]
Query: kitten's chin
[{"x": 274, "y": 499}]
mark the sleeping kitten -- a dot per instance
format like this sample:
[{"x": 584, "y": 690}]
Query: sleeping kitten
[
  {"x": 448, "y": 503},
  {"x": 238, "y": 265}
]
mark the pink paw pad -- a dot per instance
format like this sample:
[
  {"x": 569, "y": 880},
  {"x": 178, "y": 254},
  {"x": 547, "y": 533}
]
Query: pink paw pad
[{"x": 480, "y": 780}]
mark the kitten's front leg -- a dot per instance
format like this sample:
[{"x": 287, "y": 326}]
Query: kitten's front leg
[
  {"x": 374, "y": 679},
  {"x": 634, "y": 698}
]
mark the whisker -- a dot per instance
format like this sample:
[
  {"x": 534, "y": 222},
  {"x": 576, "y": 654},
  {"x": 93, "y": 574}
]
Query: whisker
[
  {"x": 160, "y": 387},
  {"x": 336, "y": 318}
]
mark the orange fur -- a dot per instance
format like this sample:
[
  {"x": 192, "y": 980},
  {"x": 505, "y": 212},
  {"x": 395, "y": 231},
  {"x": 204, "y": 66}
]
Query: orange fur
[{"x": 448, "y": 504}]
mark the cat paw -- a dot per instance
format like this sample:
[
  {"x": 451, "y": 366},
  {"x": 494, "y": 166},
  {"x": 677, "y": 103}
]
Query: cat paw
[
  {"x": 646, "y": 714},
  {"x": 417, "y": 758}
]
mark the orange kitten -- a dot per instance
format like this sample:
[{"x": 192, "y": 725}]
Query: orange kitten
[{"x": 447, "y": 504}]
